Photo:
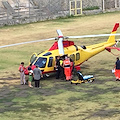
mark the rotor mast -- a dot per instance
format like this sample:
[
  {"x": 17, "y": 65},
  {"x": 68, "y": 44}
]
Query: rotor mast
[{"x": 60, "y": 42}]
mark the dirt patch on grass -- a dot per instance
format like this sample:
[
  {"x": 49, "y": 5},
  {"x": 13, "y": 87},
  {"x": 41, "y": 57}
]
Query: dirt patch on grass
[{"x": 9, "y": 81}]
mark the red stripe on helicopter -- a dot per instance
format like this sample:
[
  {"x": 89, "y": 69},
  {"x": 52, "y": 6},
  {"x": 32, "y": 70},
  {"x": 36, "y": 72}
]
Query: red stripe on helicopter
[
  {"x": 115, "y": 27},
  {"x": 60, "y": 36},
  {"x": 65, "y": 44}
]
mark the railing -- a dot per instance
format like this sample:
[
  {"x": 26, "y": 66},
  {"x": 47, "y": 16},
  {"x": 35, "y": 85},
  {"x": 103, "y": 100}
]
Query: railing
[
  {"x": 40, "y": 10},
  {"x": 75, "y": 7}
]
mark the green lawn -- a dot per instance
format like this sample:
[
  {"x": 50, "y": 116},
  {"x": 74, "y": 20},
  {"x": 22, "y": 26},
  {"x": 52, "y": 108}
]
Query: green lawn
[{"x": 57, "y": 99}]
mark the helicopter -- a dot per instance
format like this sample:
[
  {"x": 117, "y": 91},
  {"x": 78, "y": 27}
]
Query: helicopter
[{"x": 79, "y": 54}]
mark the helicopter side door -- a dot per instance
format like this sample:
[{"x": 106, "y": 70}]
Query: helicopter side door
[
  {"x": 50, "y": 64},
  {"x": 75, "y": 57}
]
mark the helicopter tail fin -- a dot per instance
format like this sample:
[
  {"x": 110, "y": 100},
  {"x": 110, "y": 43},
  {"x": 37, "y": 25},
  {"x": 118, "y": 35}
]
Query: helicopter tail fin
[{"x": 111, "y": 39}]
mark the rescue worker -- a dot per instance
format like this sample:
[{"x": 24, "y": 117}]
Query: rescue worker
[
  {"x": 57, "y": 67},
  {"x": 22, "y": 74},
  {"x": 67, "y": 71},
  {"x": 62, "y": 75},
  {"x": 117, "y": 69}
]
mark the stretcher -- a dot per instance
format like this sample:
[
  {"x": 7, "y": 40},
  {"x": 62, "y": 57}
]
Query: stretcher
[{"x": 83, "y": 79}]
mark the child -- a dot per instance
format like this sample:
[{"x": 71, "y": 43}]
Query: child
[{"x": 30, "y": 76}]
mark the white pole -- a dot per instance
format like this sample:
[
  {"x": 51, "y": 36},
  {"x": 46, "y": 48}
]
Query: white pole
[
  {"x": 81, "y": 7},
  {"x": 115, "y": 3},
  {"x": 103, "y": 5},
  {"x": 70, "y": 7}
]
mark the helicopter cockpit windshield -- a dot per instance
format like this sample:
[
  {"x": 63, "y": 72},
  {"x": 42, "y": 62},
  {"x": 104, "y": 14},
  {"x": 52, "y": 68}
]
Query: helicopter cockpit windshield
[{"x": 41, "y": 62}]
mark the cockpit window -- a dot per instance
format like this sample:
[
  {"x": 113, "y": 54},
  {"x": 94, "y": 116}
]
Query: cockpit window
[
  {"x": 33, "y": 58},
  {"x": 41, "y": 62},
  {"x": 48, "y": 53}
]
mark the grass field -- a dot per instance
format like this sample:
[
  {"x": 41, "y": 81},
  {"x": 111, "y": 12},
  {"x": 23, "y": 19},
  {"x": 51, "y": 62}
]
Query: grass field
[{"x": 59, "y": 100}]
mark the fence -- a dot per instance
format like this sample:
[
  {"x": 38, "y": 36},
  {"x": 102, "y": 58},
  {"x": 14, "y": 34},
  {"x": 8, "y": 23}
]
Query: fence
[
  {"x": 32, "y": 11},
  {"x": 26, "y": 11}
]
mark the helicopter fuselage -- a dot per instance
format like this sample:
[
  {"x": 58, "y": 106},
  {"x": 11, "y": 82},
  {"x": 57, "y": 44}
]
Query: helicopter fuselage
[{"x": 46, "y": 59}]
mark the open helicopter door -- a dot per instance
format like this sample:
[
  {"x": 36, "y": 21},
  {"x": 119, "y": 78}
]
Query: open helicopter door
[
  {"x": 60, "y": 42},
  {"x": 33, "y": 58}
]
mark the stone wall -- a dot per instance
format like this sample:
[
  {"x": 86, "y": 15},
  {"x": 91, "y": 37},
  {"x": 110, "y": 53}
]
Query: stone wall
[{"x": 26, "y": 12}]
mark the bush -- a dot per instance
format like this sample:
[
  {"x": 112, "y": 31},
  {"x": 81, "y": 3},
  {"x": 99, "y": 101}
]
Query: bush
[{"x": 91, "y": 8}]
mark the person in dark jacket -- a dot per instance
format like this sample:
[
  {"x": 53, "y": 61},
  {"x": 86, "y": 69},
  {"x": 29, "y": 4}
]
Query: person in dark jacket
[
  {"x": 57, "y": 67},
  {"x": 62, "y": 75},
  {"x": 117, "y": 69}
]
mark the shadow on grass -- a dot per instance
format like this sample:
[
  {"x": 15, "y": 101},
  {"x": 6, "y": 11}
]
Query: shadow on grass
[
  {"x": 21, "y": 98},
  {"x": 103, "y": 113}
]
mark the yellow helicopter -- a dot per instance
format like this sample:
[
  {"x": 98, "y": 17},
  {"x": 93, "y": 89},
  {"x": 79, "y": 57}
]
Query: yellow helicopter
[{"x": 46, "y": 59}]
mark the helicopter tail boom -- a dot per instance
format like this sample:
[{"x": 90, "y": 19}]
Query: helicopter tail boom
[{"x": 111, "y": 38}]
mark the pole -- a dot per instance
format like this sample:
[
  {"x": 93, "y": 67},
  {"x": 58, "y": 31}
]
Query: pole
[
  {"x": 18, "y": 11},
  {"x": 70, "y": 7},
  {"x": 81, "y": 7},
  {"x": 119, "y": 3},
  {"x": 115, "y": 3},
  {"x": 103, "y": 5},
  {"x": 75, "y": 7},
  {"x": 29, "y": 10}
]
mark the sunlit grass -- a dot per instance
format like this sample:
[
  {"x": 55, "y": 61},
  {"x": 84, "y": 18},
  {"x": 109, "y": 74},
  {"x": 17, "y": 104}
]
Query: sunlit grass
[{"x": 57, "y": 99}]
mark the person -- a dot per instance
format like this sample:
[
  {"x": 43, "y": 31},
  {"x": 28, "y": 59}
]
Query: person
[
  {"x": 30, "y": 76},
  {"x": 57, "y": 67},
  {"x": 67, "y": 71},
  {"x": 117, "y": 69},
  {"x": 62, "y": 75},
  {"x": 37, "y": 74},
  {"x": 22, "y": 74}
]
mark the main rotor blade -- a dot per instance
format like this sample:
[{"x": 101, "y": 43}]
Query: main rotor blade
[
  {"x": 26, "y": 42},
  {"x": 59, "y": 33},
  {"x": 87, "y": 36}
]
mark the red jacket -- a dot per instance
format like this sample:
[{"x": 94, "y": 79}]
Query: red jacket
[{"x": 66, "y": 63}]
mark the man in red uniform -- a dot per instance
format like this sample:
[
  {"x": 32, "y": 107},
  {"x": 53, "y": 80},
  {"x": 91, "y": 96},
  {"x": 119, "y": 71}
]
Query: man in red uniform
[
  {"x": 117, "y": 69},
  {"x": 22, "y": 74},
  {"x": 67, "y": 71}
]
